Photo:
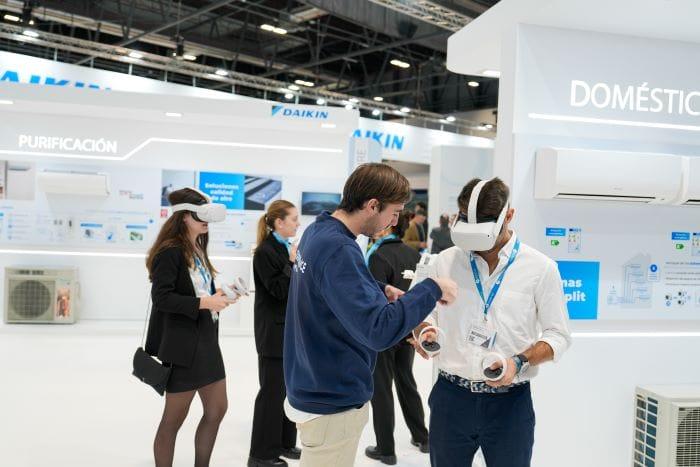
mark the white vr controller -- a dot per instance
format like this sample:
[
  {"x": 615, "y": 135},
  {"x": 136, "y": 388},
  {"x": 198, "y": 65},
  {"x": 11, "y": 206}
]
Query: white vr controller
[
  {"x": 488, "y": 361},
  {"x": 237, "y": 289},
  {"x": 430, "y": 348}
]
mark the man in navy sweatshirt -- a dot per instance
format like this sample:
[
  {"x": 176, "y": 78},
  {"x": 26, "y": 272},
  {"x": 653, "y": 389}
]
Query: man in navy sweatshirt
[{"x": 339, "y": 317}]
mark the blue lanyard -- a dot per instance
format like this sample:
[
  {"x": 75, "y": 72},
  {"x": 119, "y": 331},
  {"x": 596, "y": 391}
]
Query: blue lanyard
[
  {"x": 206, "y": 278},
  {"x": 376, "y": 246},
  {"x": 283, "y": 241},
  {"x": 497, "y": 285}
]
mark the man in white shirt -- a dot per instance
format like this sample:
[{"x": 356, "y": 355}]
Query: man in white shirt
[{"x": 510, "y": 308}]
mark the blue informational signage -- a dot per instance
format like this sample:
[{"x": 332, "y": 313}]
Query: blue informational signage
[
  {"x": 682, "y": 236},
  {"x": 224, "y": 188},
  {"x": 555, "y": 232},
  {"x": 580, "y": 281}
]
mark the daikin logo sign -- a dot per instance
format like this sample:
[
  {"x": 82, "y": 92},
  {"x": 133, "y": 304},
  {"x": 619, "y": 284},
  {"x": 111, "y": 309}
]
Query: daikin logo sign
[
  {"x": 386, "y": 140},
  {"x": 312, "y": 114},
  {"x": 17, "y": 76}
]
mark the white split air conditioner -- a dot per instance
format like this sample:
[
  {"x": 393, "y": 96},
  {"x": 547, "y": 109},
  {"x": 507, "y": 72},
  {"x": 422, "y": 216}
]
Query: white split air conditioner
[
  {"x": 667, "y": 426},
  {"x": 41, "y": 295},
  {"x": 73, "y": 183},
  {"x": 691, "y": 195},
  {"x": 607, "y": 175}
]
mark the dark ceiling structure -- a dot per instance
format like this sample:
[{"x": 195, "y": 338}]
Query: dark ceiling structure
[{"x": 386, "y": 56}]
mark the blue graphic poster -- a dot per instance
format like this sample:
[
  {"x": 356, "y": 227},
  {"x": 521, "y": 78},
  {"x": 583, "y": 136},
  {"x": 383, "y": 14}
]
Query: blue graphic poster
[
  {"x": 580, "y": 281},
  {"x": 224, "y": 188}
]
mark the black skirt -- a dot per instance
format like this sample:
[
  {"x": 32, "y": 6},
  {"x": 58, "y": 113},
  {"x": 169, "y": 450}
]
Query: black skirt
[{"x": 207, "y": 365}]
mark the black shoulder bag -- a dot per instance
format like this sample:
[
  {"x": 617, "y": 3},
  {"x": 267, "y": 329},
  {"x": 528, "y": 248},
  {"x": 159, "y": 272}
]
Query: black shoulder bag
[{"x": 147, "y": 368}]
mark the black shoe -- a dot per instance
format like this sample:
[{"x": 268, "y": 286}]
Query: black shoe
[
  {"x": 253, "y": 462},
  {"x": 424, "y": 446},
  {"x": 372, "y": 453},
  {"x": 291, "y": 453}
]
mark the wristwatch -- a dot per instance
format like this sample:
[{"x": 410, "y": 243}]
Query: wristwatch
[{"x": 521, "y": 363}]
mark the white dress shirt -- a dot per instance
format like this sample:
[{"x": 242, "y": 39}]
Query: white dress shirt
[{"x": 529, "y": 307}]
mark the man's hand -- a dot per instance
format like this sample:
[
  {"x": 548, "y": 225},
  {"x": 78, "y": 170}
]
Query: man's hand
[
  {"x": 428, "y": 336},
  {"x": 392, "y": 293},
  {"x": 448, "y": 288},
  {"x": 507, "y": 378}
]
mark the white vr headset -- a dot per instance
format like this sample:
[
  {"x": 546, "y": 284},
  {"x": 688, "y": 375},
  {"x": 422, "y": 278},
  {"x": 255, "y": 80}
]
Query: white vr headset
[
  {"x": 477, "y": 236},
  {"x": 209, "y": 212}
]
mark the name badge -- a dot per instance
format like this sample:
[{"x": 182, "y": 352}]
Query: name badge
[{"x": 481, "y": 336}]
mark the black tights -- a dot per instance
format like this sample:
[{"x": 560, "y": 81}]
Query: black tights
[{"x": 177, "y": 405}]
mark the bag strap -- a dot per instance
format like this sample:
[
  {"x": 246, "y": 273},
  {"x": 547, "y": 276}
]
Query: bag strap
[{"x": 145, "y": 324}]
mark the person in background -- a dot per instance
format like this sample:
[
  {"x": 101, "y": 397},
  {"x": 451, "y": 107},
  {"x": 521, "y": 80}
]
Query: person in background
[
  {"x": 440, "y": 236},
  {"x": 273, "y": 435},
  {"x": 511, "y": 302},
  {"x": 415, "y": 236},
  {"x": 424, "y": 208},
  {"x": 339, "y": 317},
  {"x": 183, "y": 329},
  {"x": 388, "y": 258}
]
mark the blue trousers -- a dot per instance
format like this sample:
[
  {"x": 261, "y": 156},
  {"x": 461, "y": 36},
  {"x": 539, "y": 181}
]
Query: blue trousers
[{"x": 503, "y": 425}]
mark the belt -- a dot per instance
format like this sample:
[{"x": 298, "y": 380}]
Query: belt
[{"x": 479, "y": 387}]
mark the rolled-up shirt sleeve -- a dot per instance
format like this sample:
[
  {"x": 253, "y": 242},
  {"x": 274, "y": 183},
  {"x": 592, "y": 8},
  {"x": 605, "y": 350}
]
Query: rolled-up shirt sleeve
[{"x": 552, "y": 313}]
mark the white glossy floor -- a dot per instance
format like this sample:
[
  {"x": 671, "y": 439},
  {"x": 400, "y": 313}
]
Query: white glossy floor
[{"x": 68, "y": 399}]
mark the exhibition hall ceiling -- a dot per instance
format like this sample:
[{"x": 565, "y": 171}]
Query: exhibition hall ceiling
[{"x": 391, "y": 52}]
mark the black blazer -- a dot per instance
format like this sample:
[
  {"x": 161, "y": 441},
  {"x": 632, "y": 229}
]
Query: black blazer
[
  {"x": 172, "y": 328},
  {"x": 272, "y": 271},
  {"x": 388, "y": 263}
]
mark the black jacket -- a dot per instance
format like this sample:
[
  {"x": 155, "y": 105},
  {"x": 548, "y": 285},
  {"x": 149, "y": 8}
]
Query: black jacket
[
  {"x": 172, "y": 328},
  {"x": 388, "y": 263},
  {"x": 272, "y": 272}
]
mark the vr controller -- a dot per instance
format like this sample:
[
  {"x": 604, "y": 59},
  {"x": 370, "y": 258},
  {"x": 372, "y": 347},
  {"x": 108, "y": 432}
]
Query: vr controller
[
  {"x": 431, "y": 348},
  {"x": 237, "y": 289}
]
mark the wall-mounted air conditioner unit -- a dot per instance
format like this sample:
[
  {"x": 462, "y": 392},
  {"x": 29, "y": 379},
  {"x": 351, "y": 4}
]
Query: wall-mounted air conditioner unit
[
  {"x": 41, "y": 295},
  {"x": 667, "y": 426},
  {"x": 607, "y": 175},
  {"x": 691, "y": 195},
  {"x": 73, "y": 183}
]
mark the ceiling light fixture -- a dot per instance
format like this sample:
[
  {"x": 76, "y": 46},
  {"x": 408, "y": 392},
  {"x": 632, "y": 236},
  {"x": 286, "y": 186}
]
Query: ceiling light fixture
[
  {"x": 473, "y": 84},
  {"x": 289, "y": 96},
  {"x": 376, "y": 112},
  {"x": 293, "y": 87},
  {"x": 13, "y": 18},
  {"x": 301, "y": 82},
  {"x": 135, "y": 55},
  {"x": 320, "y": 101},
  {"x": 271, "y": 28},
  {"x": 378, "y": 98},
  {"x": 405, "y": 110},
  {"x": 399, "y": 63},
  {"x": 190, "y": 57},
  {"x": 30, "y": 33},
  {"x": 450, "y": 118},
  {"x": 221, "y": 72}
]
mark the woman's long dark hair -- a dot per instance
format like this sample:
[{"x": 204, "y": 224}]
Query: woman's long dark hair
[{"x": 174, "y": 233}]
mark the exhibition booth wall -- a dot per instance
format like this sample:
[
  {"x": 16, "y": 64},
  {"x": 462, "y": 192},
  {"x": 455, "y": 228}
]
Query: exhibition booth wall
[
  {"x": 598, "y": 138},
  {"x": 86, "y": 175}
]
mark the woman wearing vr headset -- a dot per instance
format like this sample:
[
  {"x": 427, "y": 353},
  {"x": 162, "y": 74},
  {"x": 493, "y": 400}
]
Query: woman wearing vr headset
[
  {"x": 183, "y": 328},
  {"x": 273, "y": 434}
]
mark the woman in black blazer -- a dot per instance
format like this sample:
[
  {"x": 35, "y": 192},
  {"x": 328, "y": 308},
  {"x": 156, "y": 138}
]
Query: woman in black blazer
[
  {"x": 183, "y": 328},
  {"x": 273, "y": 434}
]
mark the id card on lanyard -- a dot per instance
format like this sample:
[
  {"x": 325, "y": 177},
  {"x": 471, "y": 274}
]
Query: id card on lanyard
[{"x": 481, "y": 333}]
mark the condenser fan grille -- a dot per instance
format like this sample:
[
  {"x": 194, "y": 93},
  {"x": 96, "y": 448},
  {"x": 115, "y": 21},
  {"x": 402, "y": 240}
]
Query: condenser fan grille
[
  {"x": 688, "y": 445},
  {"x": 30, "y": 299}
]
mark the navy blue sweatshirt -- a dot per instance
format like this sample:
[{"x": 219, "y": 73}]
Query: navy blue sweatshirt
[{"x": 338, "y": 318}]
